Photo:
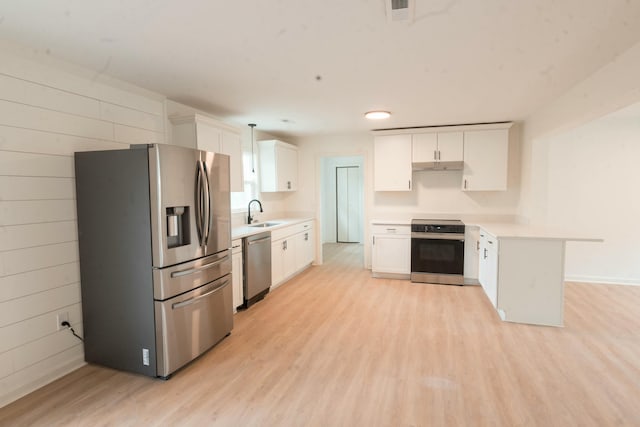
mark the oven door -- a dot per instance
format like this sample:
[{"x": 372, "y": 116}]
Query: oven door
[{"x": 437, "y": 259}]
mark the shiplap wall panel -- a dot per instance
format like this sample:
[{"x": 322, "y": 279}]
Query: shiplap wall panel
[
  {"x": 44, "y": 347},
  {"x": 36, "y": 164},
  {"x": 48, "y": 111},
  {"x": 26, "y": 116},
  {"x": 131, "y": 117},
  {"x": 24, "y": 308},
  {"x": 35, "y": 141},
  {"x": 24, "y": 92},
  {"x": 32, "y": 235},
  {"x": 22, "y": 260},
  {"x": 6, "y": 364},
  {"x": 35, "y": 281},
  {"x": 63, "y": 76},
  {"x": 18, "y": 334},
  {"x": 33, "y": 211},
  {"x": 36, "y": 188},
  {"x": 131, "y": 135}
]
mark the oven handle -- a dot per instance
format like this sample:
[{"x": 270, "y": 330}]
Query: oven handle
[{"x": 437, "y": 236}]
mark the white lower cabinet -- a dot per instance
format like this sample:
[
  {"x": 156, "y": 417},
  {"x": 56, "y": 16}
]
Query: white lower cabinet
[
  {"x": 391, "y": 250},
  {"x": 488, "y": 266},
  {"x": 236, "y": 273},
  {"x": 523, "y": 278},
  {"x": 471, "y": 253},
  {"x": 292, "y": 250}
]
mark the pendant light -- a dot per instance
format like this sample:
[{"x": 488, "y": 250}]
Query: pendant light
[{"x": 253, "y": 162}]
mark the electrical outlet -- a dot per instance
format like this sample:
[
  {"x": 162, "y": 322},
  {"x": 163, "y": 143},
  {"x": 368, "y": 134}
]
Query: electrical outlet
[{"x": 62, "y": 317}]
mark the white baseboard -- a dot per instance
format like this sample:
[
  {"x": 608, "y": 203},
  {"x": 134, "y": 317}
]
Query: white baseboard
[
  {"x": 603, "y": 280},
  {"x": 32, "y": 386}
]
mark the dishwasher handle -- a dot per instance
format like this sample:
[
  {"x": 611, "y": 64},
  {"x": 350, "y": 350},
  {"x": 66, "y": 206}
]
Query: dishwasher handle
[{"x": 253, "y": 242}]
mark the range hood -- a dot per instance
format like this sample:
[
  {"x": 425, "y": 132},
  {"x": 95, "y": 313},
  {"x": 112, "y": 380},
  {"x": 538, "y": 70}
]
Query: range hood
[{"x": 437, "y": 165}]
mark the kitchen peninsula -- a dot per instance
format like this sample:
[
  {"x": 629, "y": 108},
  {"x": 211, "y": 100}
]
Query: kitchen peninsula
[{"x": 521, "y": 269}]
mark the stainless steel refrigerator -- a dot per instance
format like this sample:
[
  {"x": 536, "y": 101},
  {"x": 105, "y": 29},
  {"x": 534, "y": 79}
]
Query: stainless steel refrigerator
[{"x": 154, "y": 230}]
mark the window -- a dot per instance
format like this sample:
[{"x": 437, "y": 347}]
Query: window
[{"x": 240, "y": 200}]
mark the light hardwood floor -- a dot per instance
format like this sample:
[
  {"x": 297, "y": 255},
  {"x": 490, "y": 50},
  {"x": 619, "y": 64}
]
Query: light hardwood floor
[{"x": 336, "y": 347}]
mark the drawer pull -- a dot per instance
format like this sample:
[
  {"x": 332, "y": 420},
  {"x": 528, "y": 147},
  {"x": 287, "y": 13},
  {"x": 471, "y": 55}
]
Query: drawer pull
[{"x": 199, "y": 297}]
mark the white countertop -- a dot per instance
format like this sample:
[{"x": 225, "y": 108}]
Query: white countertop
[
  {"x": 503, "y": 230},
  {"x": 246, "y": 230},
  {"x": 511, "y": 230},
  {"x": 391, "y": 222}
]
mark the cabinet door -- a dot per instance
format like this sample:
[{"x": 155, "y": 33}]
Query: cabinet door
[
  {"x": 305, "y": 249},
  {"x": 392, "y": 163},
  {"x": 232, "y": 146},
  {"x": 236, "y": 274},
  {"x": 485, "y": 160},
  {"x": 289, "y": 265},
  {"x": 208, "y": 137},
  {"x": 424, "y": 148},
  {"x": 471, "y": 252},
  {"x": 277, "y": 262},
  {"x": 286, "y": 168},
  {"x": 391, "y": 254},
  {"x": 488, "y": 267},
  {"x": 450, "y": 146}
]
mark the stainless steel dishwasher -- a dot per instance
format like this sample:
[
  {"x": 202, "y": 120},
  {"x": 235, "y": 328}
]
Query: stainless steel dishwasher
[{"x": 257, "y": 267}]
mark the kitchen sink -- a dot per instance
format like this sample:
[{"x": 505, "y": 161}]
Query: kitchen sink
[{"x": 264, "y": 224}]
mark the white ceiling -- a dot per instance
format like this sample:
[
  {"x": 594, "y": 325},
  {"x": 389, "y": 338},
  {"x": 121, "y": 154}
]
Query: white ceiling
[{"x": 301, "y": 67}]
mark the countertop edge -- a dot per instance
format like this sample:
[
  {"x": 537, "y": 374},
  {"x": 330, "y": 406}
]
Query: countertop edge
[{"x": 246, "y": 231}]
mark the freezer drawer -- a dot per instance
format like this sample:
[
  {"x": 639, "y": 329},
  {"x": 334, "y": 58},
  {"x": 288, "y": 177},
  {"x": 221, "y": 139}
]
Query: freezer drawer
[
  {"x": 191, "y": 323},
  {"x": 174, "y": 280}
]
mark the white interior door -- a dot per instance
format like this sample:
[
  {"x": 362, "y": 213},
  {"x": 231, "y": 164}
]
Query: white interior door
[{"x": 348, "y": 206}]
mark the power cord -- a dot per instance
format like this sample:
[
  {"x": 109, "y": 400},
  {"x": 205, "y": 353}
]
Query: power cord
[{"x": 68, "y": 325}]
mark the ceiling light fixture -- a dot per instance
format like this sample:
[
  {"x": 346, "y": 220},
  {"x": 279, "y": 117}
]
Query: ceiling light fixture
[{"x": 377, "y": 115}]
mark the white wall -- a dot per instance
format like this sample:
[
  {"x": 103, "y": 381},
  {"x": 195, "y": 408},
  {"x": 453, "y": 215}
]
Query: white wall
[
  {"x": 48, "y": 110},
  {"x": 565, "y": 168},
  {"x": 592, "y": 172}
]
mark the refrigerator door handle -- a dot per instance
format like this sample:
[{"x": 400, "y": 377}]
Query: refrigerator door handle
[
  {"x": 207, "y": 217},
  {"x": 199, "y": 211}
]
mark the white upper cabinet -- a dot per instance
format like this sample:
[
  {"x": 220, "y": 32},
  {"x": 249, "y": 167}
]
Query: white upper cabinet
[
  {"x": 278, "y": 166},
  {"x": 392, "y": 163},
  {"x": 432, "y": 149},
  {"x": 205, "y": 133},
  {"x": 485, "y": 160},
  {"x": 450, "y": 146}
]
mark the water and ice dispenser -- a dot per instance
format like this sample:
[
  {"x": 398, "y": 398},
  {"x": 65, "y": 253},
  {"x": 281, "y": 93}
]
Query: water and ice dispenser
[{"x": 178, "y": 226}]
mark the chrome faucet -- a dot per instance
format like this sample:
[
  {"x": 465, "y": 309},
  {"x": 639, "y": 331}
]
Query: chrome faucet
[{"x": 249, "y": 217}]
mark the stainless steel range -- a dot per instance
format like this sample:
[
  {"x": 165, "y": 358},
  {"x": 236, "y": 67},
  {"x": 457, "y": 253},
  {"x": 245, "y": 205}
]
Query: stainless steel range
[{"x": 437, "y": 251}]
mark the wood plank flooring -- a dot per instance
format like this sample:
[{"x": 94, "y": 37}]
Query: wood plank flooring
[{"x": 335, "y": 347}]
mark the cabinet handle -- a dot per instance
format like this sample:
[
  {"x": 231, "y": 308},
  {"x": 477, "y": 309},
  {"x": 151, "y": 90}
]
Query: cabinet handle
[
  {"x": 288, "y": 185},
  {"x": 409, "y": 184},
  {"x": 485, "y": 253},
  {"x": 306, "y": 236},
  {"x": 435, "y": 155},
  {"x": 465, "y": 184},
  {"x": 439, "y": 155},
  {"x": 477, "y": 245},
  {"x": 374, "y": 240},
  {"x": 391, "y": 229},
  {"x": 284, "y": 245},
  {"x": 490, "y": 242}
]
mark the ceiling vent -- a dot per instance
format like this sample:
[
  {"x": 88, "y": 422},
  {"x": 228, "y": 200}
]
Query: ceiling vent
[{"x": 399, "y": 10}]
